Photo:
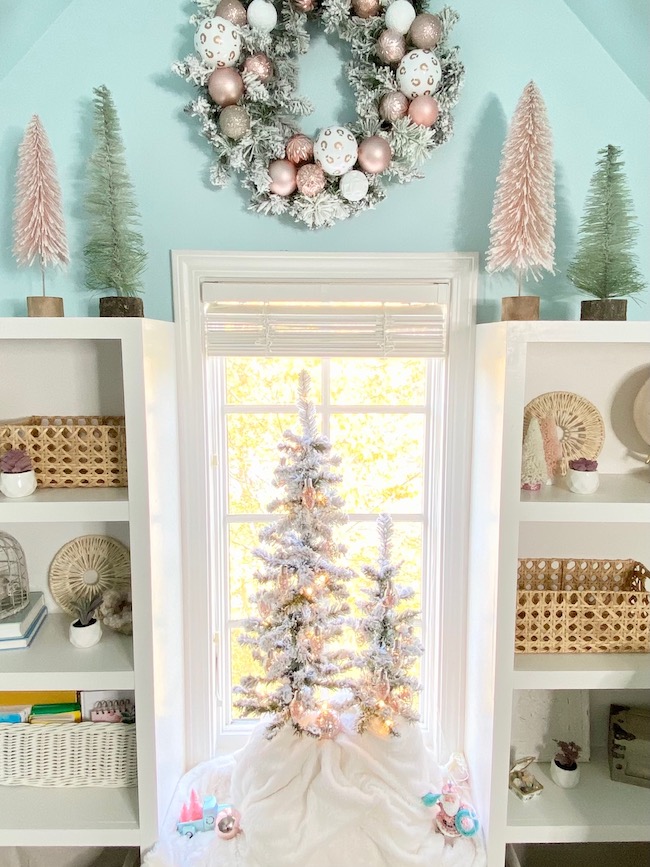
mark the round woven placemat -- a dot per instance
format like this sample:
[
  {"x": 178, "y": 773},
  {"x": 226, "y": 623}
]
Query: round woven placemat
[
  {"x": 86, "y": 566},
  {"x": 582, "y": 426}
]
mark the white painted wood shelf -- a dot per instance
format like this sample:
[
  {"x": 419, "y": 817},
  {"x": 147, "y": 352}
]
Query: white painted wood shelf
[
  {"x": 619, "y": 498},
  {"x": 581, "y": 671},
  {"x": 66, "y": 505}
]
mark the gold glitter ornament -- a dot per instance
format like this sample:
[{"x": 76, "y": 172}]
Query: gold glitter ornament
[
  {"x": 300, "y": 149},
  {"x": 234, "y": 122},
  {"x": 390, "y": 47},
  {"x": 260, "y": 65},
  {"x": 393, "y": 106},
  {"x": 365, "y": 8},
  {"x": 231, "y": 10},
  {"x": 311, "y": 181},
  {"x": 426, "y": 31}
]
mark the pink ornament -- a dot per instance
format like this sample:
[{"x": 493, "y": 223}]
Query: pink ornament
[
  {"x": 304, "y": 5},
  {"x": 231, "y": 10},
  {"x": 424, "y": 110},
  {"x": 392, "y": 106},
  {"x": 311, "y": 180},
  {"x": 225, "y": 86},
  {"x": 228, "y": 823},
  {"x": 308, "y": 494},
  {"x": 300, "y": 149},
  {"x": 283, "y": 177},
  {"x": 260, "y": 65},
  {"x": 426, "y": 30},
  {"x": 328, "y": 723},
  {"x": 390, "y": 47},
  {"x": 374, "y": 155},
  {"x": 365, "y": 8}
]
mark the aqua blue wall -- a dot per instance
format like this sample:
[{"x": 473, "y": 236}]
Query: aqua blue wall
[{"x": 129, "y": 46}]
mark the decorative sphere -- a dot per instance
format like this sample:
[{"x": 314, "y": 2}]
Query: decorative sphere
[
  {"x": 232, "y": 10},
  {"x": 218, "y": 42},
  {"x": 228, "y": 823},
  {"x": 310, "y": 180},
  {"x": 426, "y": 30},
  {"x": 353, "y": 186},
  {"x": 283, "y": 177},
  {"x": 304, "y": 5},
  {"x": 399, "y": 16},
  {"x": 390, "y": 47},
  {"x": 328, "y": 723},
  {"x": 419, "y": 73},
  {"x": 262, "y": 16},
  {"x": 374, "y": 154},
  {"x": 424, "y": 110},
  {"x": 234, "y": 122},
  {"x": 335, "y": 150},
  {"x": 365, "y": 8},
  {"x": 300, "y": 149},
  {"x": 225, "y": 86},
  {"x": 260, "y": 65},
  {"x": 392, "y": 106}
]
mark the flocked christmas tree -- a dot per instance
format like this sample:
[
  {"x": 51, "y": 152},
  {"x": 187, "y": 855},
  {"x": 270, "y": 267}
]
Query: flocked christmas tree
[
  {"x": 522, "y": 229},
  {"x": 387, "y": 686},
  {"x": 301, "y": 600},
  {"x": 533, "y": 461},
  {"x": 39, "y": 229},
  {"x": 604, "y": 265}
]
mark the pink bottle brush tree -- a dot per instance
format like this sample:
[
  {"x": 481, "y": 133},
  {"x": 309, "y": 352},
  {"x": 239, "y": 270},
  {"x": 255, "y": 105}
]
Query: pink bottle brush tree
[{"x": 39, "y": 229}]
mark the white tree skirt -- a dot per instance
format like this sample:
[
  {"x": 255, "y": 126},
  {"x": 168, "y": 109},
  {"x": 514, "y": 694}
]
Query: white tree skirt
[{"x": 349, "y": 802}]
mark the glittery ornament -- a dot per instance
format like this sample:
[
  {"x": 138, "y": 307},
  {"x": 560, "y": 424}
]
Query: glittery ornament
[
  {"x": 283, "y": 177},
  {"x": 424, "y": 110},
  {"x": 392, "y": 106},
  {"x": 284, "y": 579},
  {"x": 390, "y": 47},
  {"x": 311, "y": 181},
  {"x": 232, "y": 10},
  {"x": 297, "y": 710},
  {"x": 234, "y": 122},
  {"x": 218, "y": 42},
  {"x": 374, "y": 154},
  {"x": 300, "y": 149},
  {"x": 225, "y": 86},
  {"x": 400, "y": 15},
  {"x": 365, "y": 8},
  {"x": 260, "y": 65},
  {"x": 426, "y": 31},
  {"x": 419, "y": 73},
  {"x": 335, "y": 150},
  {"x": 308, "y": 492},
  {"x": 262, "y": 16},
  {"x": 328, "y": 723},
  {"x": 303, "y": 5},
  {"x": 354, "y": 186},
  {"x": 228, "y": 823}
]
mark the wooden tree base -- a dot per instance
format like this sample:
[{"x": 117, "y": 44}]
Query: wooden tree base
[
  {"x": 519, "y": 307},
  {"x": 117, "y": 305},
  {"x": 604, "y": 309},
  {"x": 44, "y": 305}
]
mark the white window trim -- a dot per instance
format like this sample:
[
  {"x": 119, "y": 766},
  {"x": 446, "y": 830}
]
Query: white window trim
[{"x": 329, "y": 276}]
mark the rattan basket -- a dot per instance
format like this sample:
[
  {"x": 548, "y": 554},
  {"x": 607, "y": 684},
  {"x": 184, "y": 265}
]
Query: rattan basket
[
  {"x": 582, "y": 606},
  {"x": 71, "y": 451},
  {"x": 68, "y": 755}
]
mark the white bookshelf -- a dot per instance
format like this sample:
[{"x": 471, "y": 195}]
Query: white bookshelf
[
  {"x": 606, "y": 363},
  {"x": 102, "y": 367}
]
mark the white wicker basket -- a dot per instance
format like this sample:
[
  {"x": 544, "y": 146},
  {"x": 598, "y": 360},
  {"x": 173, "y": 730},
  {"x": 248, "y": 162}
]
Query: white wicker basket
[{"x": 68, "y": 754}]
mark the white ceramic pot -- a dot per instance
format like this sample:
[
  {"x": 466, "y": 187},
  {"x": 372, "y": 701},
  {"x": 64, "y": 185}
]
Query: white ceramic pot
[
  {"x": 581, "y": 482},
  {"x": 85, "y": 636},
  {"x": 563, "y": 778},
  {"x": 18, "y": 484}
]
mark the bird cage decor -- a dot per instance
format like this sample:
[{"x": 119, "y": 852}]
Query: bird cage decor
[{"x": 14, "y": 582}]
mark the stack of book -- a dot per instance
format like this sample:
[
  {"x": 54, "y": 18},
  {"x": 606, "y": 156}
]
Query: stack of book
[{"x": 18, "y": 630}]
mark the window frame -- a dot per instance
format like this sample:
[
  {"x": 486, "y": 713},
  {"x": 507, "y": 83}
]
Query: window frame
[{"x": 328, "y": 276}]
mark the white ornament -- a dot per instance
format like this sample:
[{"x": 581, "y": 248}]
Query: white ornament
[
  {"x": 399, "y": 16},
  {"x": 354, "y": 186},
  {"x": 419, "y": 73},
  {"x": 335, "y": 150},
  {"x": 218, "y": 42},
  {"x": 641, "y": 412},
  {"x": 262, "y": 16}
]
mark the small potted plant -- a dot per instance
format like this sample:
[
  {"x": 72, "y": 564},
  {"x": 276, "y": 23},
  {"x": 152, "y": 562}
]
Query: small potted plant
[
  {"x": 86, "y": 630},
  {"x": 565, "y": 771},
  {"x": 17, "y": 477},
  {"x": 582, "y": 476}
]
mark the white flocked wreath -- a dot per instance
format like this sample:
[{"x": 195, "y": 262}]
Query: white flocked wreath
[{"x": 264, "y": 117}]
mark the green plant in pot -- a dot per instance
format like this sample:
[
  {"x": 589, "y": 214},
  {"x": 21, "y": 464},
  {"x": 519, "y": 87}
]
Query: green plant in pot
[
  {"x": 86, "y": 630},
  {"x": 604, "y": 266}
]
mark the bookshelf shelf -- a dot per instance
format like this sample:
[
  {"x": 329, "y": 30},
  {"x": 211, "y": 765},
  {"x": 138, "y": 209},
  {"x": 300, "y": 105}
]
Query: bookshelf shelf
[
  {"x": 67, "y": 504},
  {"x": 581, "y": 671}
]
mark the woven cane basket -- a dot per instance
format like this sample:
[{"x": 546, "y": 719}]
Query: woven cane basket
[
  {"x": 71, "y": 451},
  {"x": 582, "y": 606},
  {"x": 68, "y": 755}
]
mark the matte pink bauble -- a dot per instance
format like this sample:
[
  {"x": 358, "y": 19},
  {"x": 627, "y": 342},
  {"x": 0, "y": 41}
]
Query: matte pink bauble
[
  {"x": 233, "y": 11},
  {"x": 283, "y": 177},
  {"x": 310, "y": 180},
  {"x": 374, "y": 154},
  {"x": 393, "y": 105},
  {"x": 426, "y": 30},
  {"x": 303, "y": 5},
  {"x": 424, "y": 110},
  {"x": 390, "y": 47},
  {"x": 225, "y": 86},
  {"x": 365, "y": 8},
  {"x": 260, "y": 65},
  {"x": 300, "y": 149},
  {"x": 228, "y": 823}
]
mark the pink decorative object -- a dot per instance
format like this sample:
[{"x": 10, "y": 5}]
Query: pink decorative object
[
  {"x": 328, "y": 723},
  {"x": 365, "y": 8},
  {"x": 390, "y": 47},
  {"x": 311, "y": 180},
  {"x": 304, "y": 5},
  {"x": 552, "y": 447},
  {"x": 393, "y": 105},
  {"x": 228, "y": 823},
  {"x": 195, "y": 809},
  {"x": 522, "y": 229},
  {"x": 424, "y": 110},
  {"x": 374, "y": 154},
  {"x": 300, "y": 149},
  {"x": 426, "y": 31},
  {"x": 283, "y": 177},
  {"x": 225, "y": 86},
  {"x": 231, "y": 10},
  {"x": 260, "y": 65}
]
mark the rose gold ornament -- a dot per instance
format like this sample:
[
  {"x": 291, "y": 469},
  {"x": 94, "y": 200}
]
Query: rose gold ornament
[
  {"x": 300, "y": 149},
  {"x": 232, "y": 10},
  {"x": 228, "y": 823},
  {"x": 234, "y": 122},
  {"x": 390, "y": 47},
  {"x": 297, "y": 710},
  {"x": 283, "y": 177},
  {"x": 260, "y": 65},
  {"x": 225, "y": 86},
  {"x": 311, "y": 180},
  {"x": 365, "y": 8},
  {"x": 308, "y": 494},
  {"x": 424, "y": 110},
  {"x": 392, "y": 106},
  {"x": 426, "y": 30},
  {"x": 374, "y": 154},
  {"x": 328, "y": 723},
  {"x": 303, "y": 5}
]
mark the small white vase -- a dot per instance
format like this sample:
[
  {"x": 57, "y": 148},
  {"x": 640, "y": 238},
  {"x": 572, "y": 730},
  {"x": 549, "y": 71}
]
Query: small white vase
[
  {"x": 85, "y": 636},
  {"x": 581, "y": 482},
  {"x": 563, "y": 778},
  {"x": 18, "y": 484}
]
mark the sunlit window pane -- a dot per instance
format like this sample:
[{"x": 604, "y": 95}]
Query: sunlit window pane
[
  {"x": 269, "y": 380},
  {"x": 378, "y": 381},
  {"x": 243, "y": 539},
  {"x": 242, "y": 663}
]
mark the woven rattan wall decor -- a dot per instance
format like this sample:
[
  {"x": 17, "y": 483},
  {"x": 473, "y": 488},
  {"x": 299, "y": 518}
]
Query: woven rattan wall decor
[
  {"x": 581, "y": 429},
  {"x": 87, "y": 566}
]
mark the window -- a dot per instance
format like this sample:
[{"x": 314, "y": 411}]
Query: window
[{"x": 243, "y": 343}]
